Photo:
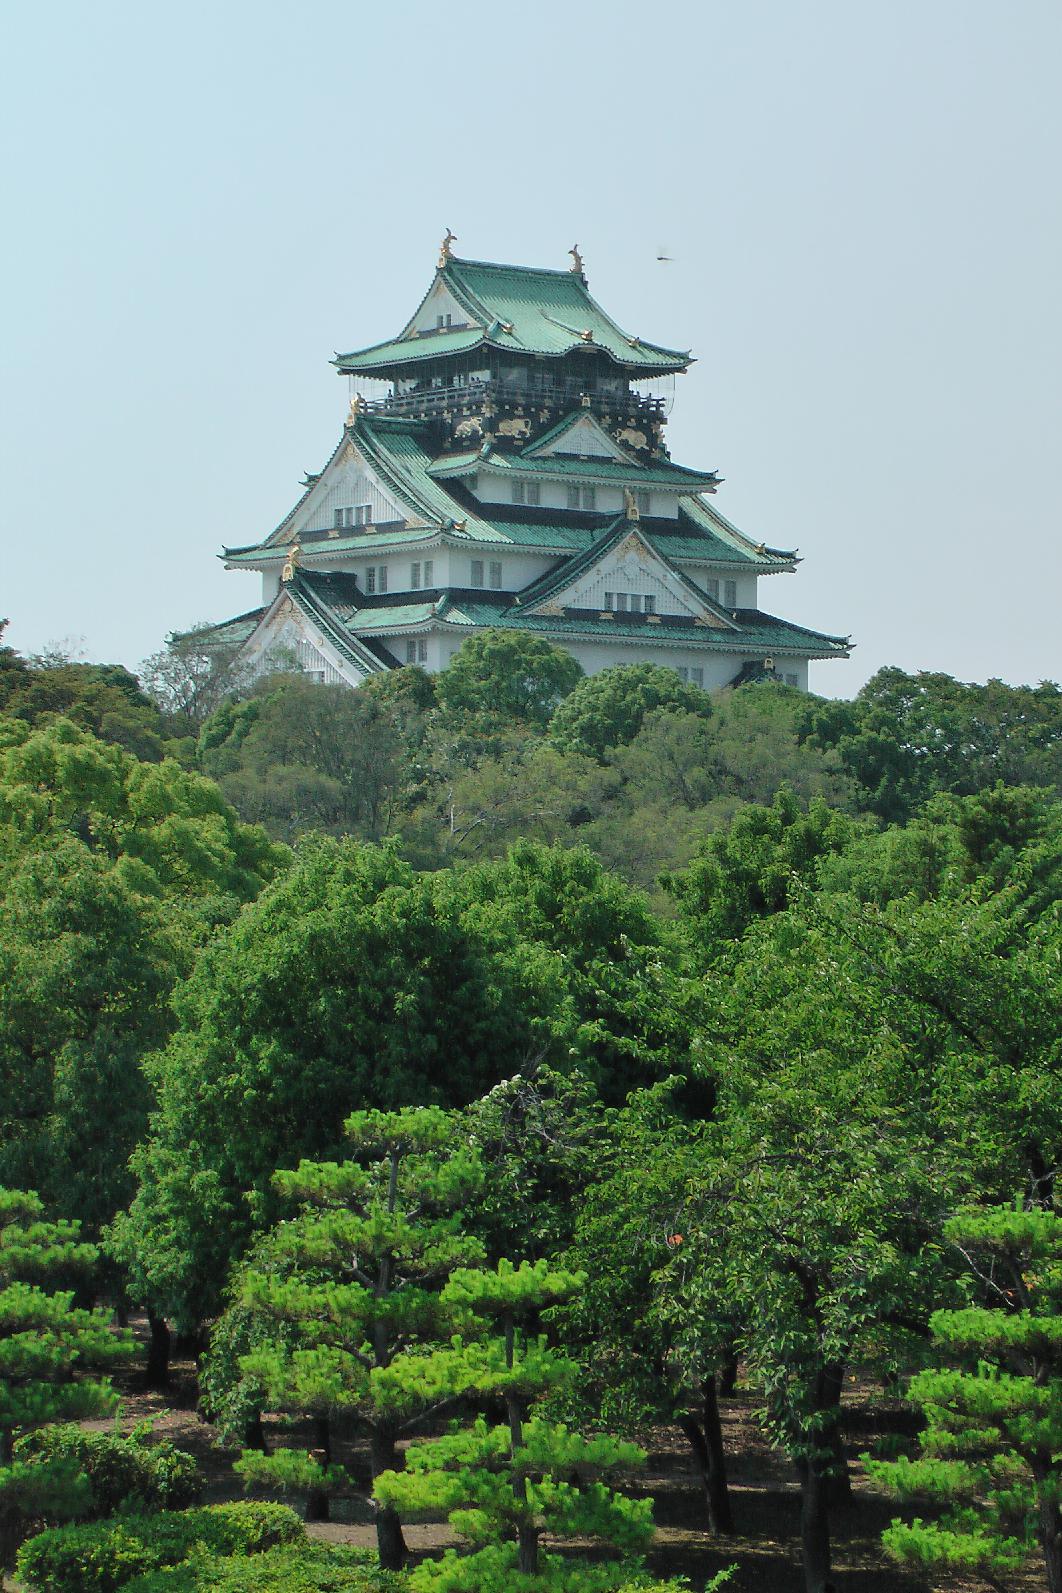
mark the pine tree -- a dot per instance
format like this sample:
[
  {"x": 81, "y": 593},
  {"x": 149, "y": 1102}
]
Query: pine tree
[
  {"x": 352, "y": 1285},
  {"x": 991, "y": 1452},
  {"x": 46, "y": 1345},
  {"x": 505, "y": 1486}
]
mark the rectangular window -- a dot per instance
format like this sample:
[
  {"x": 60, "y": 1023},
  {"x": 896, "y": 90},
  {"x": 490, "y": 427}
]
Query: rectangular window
[
  {"x": 649, "y": 605},
  {"x": 429, "y": 572},
  {"x": 791, "y": 680},
  {"x": 422, "y": 650},
  {"x": 495, "y": 574},
  {"x": 621, "y": 602},
  {"x": 573, "y": 497},
  {"x": 730, "y": 594},
  {"x": 697, "y": 677},
  {"x": 518, "y": 492},
  {"x": 411, "y": 650},
  {"x": 414, "y": 576},
  {"x": 683, "y": 674},
  {"x": 477, "y": 572},
  {"x": 643, "y": 499},
  {"x": 711, "y": 586},
  {"x": 361, "y": 515},
  {"x": 589, "y": 497},
  {"x": 370, "y": 578},
  {"x": 610, "y": 601},
  {"x": 337, "y": 518},
  {"x": 382, "y": 578},
  {"x": 534, "y": 493},
  {"x": 636, "y": 603}
]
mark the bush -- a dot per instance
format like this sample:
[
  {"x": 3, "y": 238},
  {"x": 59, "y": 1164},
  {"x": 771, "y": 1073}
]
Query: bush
[
  {"x": 302, "y": 1568},
  {"x": 126, "y": 1472},
  {"x": 101, "y": 1556}
]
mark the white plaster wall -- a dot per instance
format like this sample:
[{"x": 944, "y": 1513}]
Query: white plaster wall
[
  {"x": 439, "y": 302},
  {"x": 270, "y": 585},
  {"x": 495, "y": 487},
  {"x": 346, "y": 484},
  {"x": 747, "y": 585}
]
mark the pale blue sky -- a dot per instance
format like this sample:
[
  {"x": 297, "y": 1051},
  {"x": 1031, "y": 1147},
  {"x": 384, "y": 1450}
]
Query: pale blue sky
[{"x": 863, "y": 205}]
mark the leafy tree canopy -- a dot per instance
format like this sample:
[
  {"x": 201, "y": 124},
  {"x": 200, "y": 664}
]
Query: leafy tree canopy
[
  {"x": 606, "y": 710},
  {"x": 507, "y": 675}
]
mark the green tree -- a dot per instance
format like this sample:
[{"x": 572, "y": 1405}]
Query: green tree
[
  {"x": 102, "y": 698},
  {"x": 355, "y": 1281},
  {"x": 510, "y": 676},
  {"x": 47, "y": 1346},
  {"x": 608, "y": 709},
  {"x": 351, "y": 982},
  {"x": 991, "y": 1450},
  {"x": 504, "y": 1487}
]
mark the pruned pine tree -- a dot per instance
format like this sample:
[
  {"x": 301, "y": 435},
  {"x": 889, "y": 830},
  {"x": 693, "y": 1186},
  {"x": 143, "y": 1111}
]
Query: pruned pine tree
[
  {"x": 353, "y": 1284},
  {"x": 503, "y": 1487},
  {"x": 991, "y": 1451},
  {"x": 47, "y": 1345}
]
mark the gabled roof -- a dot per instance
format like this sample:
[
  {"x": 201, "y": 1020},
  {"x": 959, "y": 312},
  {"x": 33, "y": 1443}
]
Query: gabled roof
[
  {"x": 621, "y": 530},
  {"x": 518, "y": 310},
  {"x": 580, "y": 420},
  {"x": 660, "y": 473}
]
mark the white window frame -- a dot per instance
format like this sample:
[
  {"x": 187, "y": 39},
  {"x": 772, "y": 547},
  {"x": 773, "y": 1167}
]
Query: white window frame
[
  {"x": 476, "y": 574},
  {"x": 414, "y": 576},
  {"x": 534, "y": 493}
]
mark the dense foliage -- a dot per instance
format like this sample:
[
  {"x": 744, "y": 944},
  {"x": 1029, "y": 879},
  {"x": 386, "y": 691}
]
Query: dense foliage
[{"x": 745, "y": 1010}]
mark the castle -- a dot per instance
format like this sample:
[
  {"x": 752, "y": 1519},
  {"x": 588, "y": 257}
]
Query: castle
[{"x": 503, "y": 465}]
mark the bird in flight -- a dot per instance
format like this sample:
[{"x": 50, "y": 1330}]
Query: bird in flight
[{"x": 662, "y": 255}]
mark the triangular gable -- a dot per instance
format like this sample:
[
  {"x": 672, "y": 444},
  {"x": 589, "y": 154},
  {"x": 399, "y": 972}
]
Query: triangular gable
[
  {"x": 438, "y": 302},
  {"x": 579, "y": 436},
  {"x": 299, "y": 632},
  {"x": 623, "y": 563},
  {"x": 347, "y": 483}
]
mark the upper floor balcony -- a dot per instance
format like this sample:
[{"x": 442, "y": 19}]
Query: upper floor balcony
[{"x": 440, "y": 397}]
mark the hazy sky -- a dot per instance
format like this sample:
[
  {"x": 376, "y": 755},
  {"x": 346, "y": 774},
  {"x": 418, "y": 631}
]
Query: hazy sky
[{"x": 862, "y": 201}]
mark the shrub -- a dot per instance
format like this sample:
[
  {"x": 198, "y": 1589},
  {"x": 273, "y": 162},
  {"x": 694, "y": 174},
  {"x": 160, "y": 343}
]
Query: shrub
[
  {"x": 300, "y": 1568},
  {"x": 101, "y": 1556},
  {"x": 125, "y": 1471}
]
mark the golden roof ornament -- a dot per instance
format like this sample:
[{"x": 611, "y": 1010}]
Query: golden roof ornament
[
  {"x": 445, "y": 252},
  {"x": 357, "y": 407},
  {"x": 630, "y": 505},
  {"x": 577, "y": 261},
  {"x": 288, "y": 572}
]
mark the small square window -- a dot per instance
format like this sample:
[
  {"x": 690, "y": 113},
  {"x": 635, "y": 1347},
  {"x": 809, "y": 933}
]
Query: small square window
[
  {"x": 534, "y": 493},
  {"x": 636, "y": 603},
  {"x": 477, "y": 572},
  {"x": 610, "y": 601},
  {"x": 429, "y": 572},
  {"x": 649, "y": 605},
  {"x": 573, "y": 497},
  {"x": 711, "y": 586},
  {"x": 414, "y": 576},
  {"x": 730, "y": 594},
  {"x": 518, "y": 491},
  {"x": 383, "y": 578},
  {"x": 495, "y": 574},
  {"x": 697, "y": 677},
  {"x": 361, "y": 515},
  {"x": 621, "y": 602}
]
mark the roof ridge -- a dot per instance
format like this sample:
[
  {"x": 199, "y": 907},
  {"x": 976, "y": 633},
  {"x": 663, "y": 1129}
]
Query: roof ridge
[{"x": 524, "y": 270}]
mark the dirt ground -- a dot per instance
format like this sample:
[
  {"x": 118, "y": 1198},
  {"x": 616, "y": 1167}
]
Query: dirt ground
[{"x": 765, "y": 1548}]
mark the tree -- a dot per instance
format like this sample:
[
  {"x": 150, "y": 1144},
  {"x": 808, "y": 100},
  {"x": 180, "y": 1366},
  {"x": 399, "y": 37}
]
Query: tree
[
  {"x": 608, "y": 709},
  {"x": 194, "y": 673},
  {"x": 351, "y": 982},
  {"x": 503, "y": 1487},
  {"x": 47, "y": 1345},
  {"x": 102, "y": 698},
  {"x": 991, "y": 1450},
  {"x": 355, "y": 1281},
  {"x": 510, "y": 676}
]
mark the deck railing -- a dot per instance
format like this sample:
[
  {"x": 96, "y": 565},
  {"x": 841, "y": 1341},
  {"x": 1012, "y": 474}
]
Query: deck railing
[{"x": 468, "y": 397}]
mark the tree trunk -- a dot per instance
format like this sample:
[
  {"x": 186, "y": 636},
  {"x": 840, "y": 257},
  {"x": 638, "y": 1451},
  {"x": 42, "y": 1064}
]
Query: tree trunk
[
  {"x": 254, "y": 1434},
  {"x": 728, "y": 1376},
  {"x": 317, "y": 1502},
  {"x": 839, "y": 1486},
  {"x": 814, "y": 1527},
  {"x": 1049, "y": 1531},
  {"x": 390, "y": 1544},
  {"x": 706, "y": 1440},
  {"x": 158, "y": 1361}
]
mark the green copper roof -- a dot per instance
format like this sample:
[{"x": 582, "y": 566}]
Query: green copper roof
[
  {"x": 518, "y": 310},
  {"x": 563, "y": 467},
  {"x": 707, "y": 519}
]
